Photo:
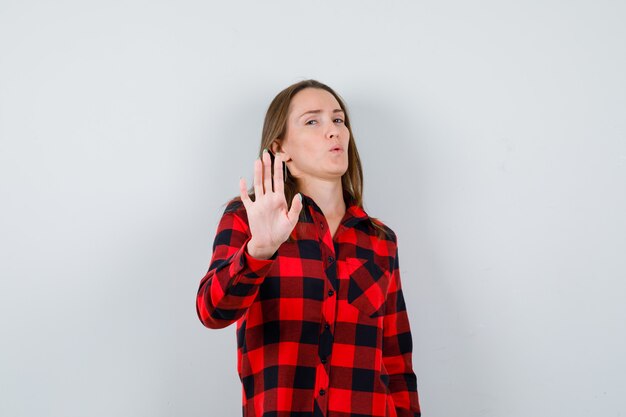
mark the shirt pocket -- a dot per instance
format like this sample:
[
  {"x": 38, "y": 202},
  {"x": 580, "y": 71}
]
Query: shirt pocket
[{"x": 367, "y": 286}]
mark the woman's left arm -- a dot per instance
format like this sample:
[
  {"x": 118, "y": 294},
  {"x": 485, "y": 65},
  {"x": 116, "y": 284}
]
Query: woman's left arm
[{"x": 398, "y": 349}]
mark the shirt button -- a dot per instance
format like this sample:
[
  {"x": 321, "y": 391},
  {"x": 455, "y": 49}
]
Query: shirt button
[
  {"x": 323, "y": 360},
  {"x": 331, "y": 259},
  {"x": 321, "y": 225},
  {"x": 322, "y": 392},
  {"x": 327, "y": 326},
  {"x": 330, "y": 293}
]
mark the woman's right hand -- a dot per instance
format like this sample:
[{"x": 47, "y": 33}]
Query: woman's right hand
[{"x": 268, "y": 218}]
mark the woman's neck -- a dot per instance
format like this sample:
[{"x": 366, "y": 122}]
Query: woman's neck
[{"x": 328, "y": 196}]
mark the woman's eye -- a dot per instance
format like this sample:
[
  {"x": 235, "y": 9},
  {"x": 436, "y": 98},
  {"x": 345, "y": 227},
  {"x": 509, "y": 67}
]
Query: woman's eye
[{"x": 310, "y": 122}]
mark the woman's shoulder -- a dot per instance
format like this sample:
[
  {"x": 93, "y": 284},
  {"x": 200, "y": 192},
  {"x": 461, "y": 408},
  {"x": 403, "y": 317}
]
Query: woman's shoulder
[
  {"x": 382, "y": 230},
  {"x": 235, "y": 207}
]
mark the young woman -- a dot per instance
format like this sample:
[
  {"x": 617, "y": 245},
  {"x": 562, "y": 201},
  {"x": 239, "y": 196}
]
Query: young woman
[{"x": 314, "y": 286}]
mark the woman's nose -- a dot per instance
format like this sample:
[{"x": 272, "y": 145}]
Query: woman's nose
[{"x": 332, "y": 131}]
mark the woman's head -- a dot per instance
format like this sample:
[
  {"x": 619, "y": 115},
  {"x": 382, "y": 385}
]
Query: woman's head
[
  {"x": 286, "y": 132},
  {"x": 316, "y": 139},
  {"x": 306, "y": 140}
]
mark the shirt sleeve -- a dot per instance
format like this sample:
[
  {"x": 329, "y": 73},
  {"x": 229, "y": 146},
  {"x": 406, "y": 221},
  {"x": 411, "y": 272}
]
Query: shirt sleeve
[
  {"x": 398, "y": 350},
  {"x": 232, "y": 282}
]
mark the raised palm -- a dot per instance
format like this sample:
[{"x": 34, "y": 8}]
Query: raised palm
[{"x": 269, "y": 219}]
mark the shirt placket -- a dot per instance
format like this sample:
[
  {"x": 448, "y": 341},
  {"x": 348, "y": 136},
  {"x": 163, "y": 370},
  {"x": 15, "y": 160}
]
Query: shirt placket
[{"x": 329, "y": 305}]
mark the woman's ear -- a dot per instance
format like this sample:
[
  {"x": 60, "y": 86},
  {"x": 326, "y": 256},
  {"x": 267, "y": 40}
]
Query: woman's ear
[{"x": 276, "y": 149}]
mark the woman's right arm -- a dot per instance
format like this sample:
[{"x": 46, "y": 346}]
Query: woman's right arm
[
  {"x": 234, "y": 276},
  {"x": 232, "y": 282}
]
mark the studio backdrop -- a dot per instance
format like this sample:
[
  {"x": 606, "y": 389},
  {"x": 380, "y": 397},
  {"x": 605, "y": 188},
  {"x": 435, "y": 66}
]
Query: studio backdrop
[{"x": 493, "y": 141}]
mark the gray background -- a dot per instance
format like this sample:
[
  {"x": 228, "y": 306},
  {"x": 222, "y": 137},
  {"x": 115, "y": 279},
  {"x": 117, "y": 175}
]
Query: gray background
[{"x": 493, "y": 139}]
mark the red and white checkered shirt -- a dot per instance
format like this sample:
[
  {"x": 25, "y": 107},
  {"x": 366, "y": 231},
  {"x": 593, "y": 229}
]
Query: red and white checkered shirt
[{"x": 322, "y": 326}]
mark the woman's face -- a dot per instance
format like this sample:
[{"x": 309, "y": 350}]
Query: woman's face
[{"x": 315, "y": 129}]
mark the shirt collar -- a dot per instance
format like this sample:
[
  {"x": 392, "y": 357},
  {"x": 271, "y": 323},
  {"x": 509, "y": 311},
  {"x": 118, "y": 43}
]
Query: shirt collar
[{"x": 354, "y": 213}]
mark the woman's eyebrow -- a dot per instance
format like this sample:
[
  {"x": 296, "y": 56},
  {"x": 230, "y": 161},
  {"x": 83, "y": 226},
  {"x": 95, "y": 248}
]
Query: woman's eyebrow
[{"x": 317, "y": 112}]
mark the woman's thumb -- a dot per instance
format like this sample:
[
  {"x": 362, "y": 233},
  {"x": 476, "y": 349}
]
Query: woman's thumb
[{"x": 294, "y": 211}]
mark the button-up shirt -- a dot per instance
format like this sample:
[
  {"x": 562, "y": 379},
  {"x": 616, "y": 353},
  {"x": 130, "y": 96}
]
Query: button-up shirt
[{"x": 322, "y": 325}]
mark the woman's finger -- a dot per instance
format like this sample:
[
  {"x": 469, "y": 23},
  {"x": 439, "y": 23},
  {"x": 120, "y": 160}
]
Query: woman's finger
[
  {"x": 243, "y": 193},
  {"x": 258, "y": 175},
  {"x": 267, "y": 171},
  {"x": 294, "y": 211},
  {"x": 278, "y": 175}
]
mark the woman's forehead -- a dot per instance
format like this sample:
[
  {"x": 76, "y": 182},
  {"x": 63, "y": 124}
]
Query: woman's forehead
[{"x": 311, "y": 99}]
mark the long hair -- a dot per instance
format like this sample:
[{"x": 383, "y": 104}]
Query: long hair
[{"x": 275, "y": 128}]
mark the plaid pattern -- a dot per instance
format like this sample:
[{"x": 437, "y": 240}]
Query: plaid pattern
[{"x": 322, "y": 327}]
